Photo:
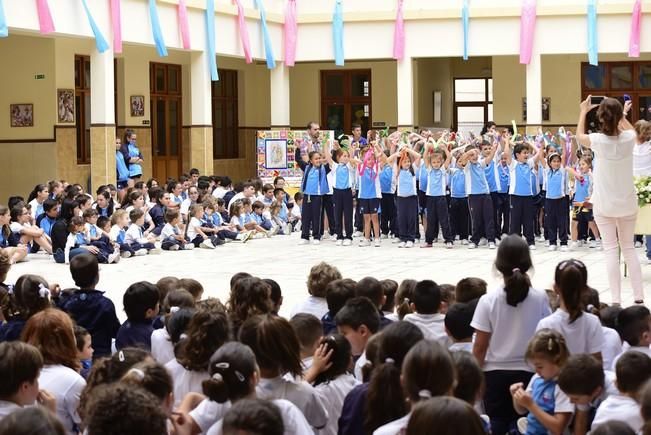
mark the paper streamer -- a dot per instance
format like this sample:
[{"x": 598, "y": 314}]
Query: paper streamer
[
  {"x": 399, "y": 34},
  {"x": 244, "y": 33},
  {"x": 156, "y": 30},
  {"x": 210, "y": 35},
  {"x": 636, "y": 22},
  {"x": 465, "y": 19},
  {"x": 45, "y": 23},
  {"x": 291, "y": 33},
  {"x": 593, "y": 55},
  {"x": 100, "y": 41},
  {"x": 268, "y": 48},
  {"x": 527, "y": 30},
  {"x": 116, "y": 22},
  {"x": 4, "y": 30},
  {"x": 338, "y": 33},
  {"x": 184, "y": 27},
  {"x": 515, "y": 127}
]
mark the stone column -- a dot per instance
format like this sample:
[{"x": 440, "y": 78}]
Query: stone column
[
  {"x": 405, "y": 78},
  {"x": 279, "y": 78},
  {"x": 102, "y": 118},
  {"x": 534, "y": 92},
  {"x": 201, "y": 152}
]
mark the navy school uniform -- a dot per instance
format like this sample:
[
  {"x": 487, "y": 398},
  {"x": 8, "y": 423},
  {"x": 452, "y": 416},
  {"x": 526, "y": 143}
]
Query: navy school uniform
[
  {"x": 217, "y": 220},
  {"x": 503, "y": 203},
  {"x": 556, "y": 205},
  {"x": 314, "y": 186},
  {"x": 479, "y": 202},
  {"x": 422, "y": 187},
  {"x": 342, "y": 195},
  {"x": 522, "y": 190},
  {"x": 11, "y": 330},
  {"x": 388, "y": 222},
  {"x": 134, "y": 334},
  {"x": 45, "y": 223},
  {"x": 459, "y": 212},
  {"x": 103, "y": 243},
  {"x": 157, "y": 214},
  {"x": 494, "y": 185},
  {"x": 120, "y": 240},
  {"x": 437, "y": 205},
  {"x": 407, "y": 205},
  {"x": 129, "y": 151}
]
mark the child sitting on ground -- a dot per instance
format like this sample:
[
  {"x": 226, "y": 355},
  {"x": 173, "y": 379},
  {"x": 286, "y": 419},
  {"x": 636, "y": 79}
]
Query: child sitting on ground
[
  {"x": 358, "y": 320},
  {"x": 134, "y": 237},
  {"x": 634, "y": 325},
  {"x": 295, "y": 215},
  {"x": 308, "y": 330},
  {"x": 171, "y": 234},
  {"x": 77, "y": 239},
  {"x": 141, "y": 305},
  {"x": 84, "y": 350},
  {"x": 338, "y": 292},
  {"x": 457, "y": 325},
  {"x": 371, "y": 288},
  {"x": 426, "y": 315},
  {"x": 468, "y": 289},
  {"x": 118, "y": 233},
  {"x": 319, "y": 277},
  {"x": 389, "y": 288}
]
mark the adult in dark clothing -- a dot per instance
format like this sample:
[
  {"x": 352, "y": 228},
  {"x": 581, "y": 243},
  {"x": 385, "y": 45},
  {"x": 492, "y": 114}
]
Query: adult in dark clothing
[{"x": 60, "y": 232}]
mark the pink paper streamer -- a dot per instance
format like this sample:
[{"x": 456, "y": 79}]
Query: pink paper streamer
[
  {"x": 45, "y": 22},
  {"x": 183, "y": 24},
  {"x": 636, "y": 21},
  {"x": 116, "y": 21},
  {"x": 291, "y": 33},
  {"x": 399, "y": 34},
  {"x": 527, "y": 30},
  {"x": 244, "y": 33}
]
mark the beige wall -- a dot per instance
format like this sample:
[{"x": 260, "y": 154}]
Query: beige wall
[{"x": 509, "y": 87}]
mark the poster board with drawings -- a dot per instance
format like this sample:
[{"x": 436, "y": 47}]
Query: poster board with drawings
[{"x": 276, "y": 151}]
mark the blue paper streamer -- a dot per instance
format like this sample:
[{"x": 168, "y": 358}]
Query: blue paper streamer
[
  {"x": 210, "y": 36},
  {"x": 338, "y": 33},
  {"x": 268, "y": 48},
  {"x": 593, "y": 54},
  {"x": 156, "y": 30},
  {"x": 4, "y": 30},
  {"x": 465, "y": 19},
  {"x": 100, "y": 42}
]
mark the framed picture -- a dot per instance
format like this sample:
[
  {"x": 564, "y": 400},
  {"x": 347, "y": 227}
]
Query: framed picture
[
  {"x": 546, "y": 104},
  {"x": 275, "y": 154},
  {"x": 65, "y": 105},
  {"x": 137, "y": 105},
  {"x": 22, "y": 115}
]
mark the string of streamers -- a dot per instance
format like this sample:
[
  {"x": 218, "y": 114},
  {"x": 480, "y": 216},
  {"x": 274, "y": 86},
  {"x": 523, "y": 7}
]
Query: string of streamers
[
  {"x": 593, "y": 54},
  {"x": 338, "y": 33},
  {"x": 465, "y": 19},
  {"x": 527, "y": 30},
  {"x": 156, "y": 30},
  {"x": 636, "y": 26},
  {"x": 184, "y": 26},
  {"x": 368, "y": 156},
  {"x": 4, "y": 30},
  {"x": 210, "y": 35},
  {"x": 567, "y": 138},
  {"x": 45, "y": 23},
  {"x": 116, "y": 23},
  {"x": 291, "y": 33},
  {"x": 268, "y": 48},
  {"x": 244, "y": 32},
  {"x": 100, "y": 41},
  {"x": 399, "y": 34}
]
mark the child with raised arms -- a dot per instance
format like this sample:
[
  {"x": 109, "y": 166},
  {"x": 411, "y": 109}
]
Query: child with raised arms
[
  {"x": 343, "y": 174},
  {"x": 581, "y": 205},
  {"x": 406, "y": 162},
  {"x": 314, "y": 186},
  {"x": 437, "y": 160},
  {"x": 369, "y": 194},
  {"x": 556, "y": 205}
]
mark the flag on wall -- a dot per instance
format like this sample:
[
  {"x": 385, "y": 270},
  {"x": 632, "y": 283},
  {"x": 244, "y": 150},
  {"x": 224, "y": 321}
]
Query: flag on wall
[
  {"x": 156, "y": 30},
  {"x": 465, "y": 19},
  {"x": 399, "y": 34},
  {"x": 100, "y": 41},
  {"x": 268, "y": 48},
  {"x": 291, "y": 33},
  {"x": 184, "y": 26},
  {"x": 116, "y": 22},
  {"x": 244, "y": 33},
  {"x": 4, "y": 30},
  {"x": 45, "y": 23},
  {"x": 338, "y": 33},
  {"x": 211, "y": 53},
  {"x": 527, "y": 30},
  {"x": 636, "y": 23},
  {"x": 593, "y": 54}
]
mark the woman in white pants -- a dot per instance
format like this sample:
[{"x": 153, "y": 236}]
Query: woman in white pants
[{"x": 614, "y": 199}]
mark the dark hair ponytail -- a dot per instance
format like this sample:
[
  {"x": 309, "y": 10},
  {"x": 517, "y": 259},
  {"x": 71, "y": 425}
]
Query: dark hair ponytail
[
  {"x": 513, "y": 261},
  {"x": 571, "y": 279},
  {"x": 231, "y": 369},
  {"x": 609, "y": 113}
]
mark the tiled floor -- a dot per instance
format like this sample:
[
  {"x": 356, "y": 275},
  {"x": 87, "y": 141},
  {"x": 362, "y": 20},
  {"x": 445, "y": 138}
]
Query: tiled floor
[{"x": 282, "y": 259}]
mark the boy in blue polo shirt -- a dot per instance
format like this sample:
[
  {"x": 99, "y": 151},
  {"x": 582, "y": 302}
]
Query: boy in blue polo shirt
[
  {"x": 50, "y": 213},
  {"x": 437, "y": 162},
  {"x": 459, "y": 213},
  {"x": 503, "y": 203},
  {"x": 556, "y": 204},
  {"x": 494, "y": 182}
]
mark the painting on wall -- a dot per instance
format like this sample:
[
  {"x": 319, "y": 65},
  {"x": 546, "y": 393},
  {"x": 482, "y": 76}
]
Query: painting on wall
[
  {"x": 137, "y": 105},
  {"x": 276, "y": 153},
  {"x": 65, "y": 105},
  {"x": 22, "y": 115},
  {"x": 546, "y": 108}
]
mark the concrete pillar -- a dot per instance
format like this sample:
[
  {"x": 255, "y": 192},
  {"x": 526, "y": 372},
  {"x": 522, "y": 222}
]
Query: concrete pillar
[
  {"x": 102, "y": 119},
  {"x": 279, "y": 78},
  {"x": 201, "y": 152},
  {"x": 405, "y": 78},
  {"x": 534, "y": 92}
]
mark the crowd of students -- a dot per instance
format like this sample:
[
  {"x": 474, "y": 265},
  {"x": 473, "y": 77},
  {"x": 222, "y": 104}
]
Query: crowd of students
[{"x": 365, "y": 357}]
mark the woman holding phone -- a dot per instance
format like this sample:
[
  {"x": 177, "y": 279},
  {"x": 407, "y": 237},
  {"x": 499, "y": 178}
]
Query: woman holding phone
[{"x": 614, "y": 198}]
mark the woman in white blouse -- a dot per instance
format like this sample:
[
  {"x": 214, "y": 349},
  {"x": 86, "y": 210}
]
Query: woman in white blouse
[{"x": 614, "y": 199}]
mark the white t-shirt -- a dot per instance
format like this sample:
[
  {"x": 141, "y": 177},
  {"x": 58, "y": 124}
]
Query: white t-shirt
[
  {"x": 293, "y": 420},
  {"x": 584, "y": 335},
  {"x": 620, "y": 408},
  {"x": 510, "y": 327},
  {"x": 208, "y": 412},
  {"x": 312, "y": 305},
  {"x": 612, "y": 347},
  {"x": 134, "y": 234},
  {"x": 219, "y": 192},
  {"x": 333, "y": 394},
  {"x": 147, "y": 215},
  {"x": 192, "y": 228},
  {"x": 185, "y": 381},
  {"x": 7, "y": 408},
  {"x": 300, "y": 393},
  {"x": 296, "y": 211},
  {"x": 162, "y": 348},
  {"x": 394, "y": 427},
  {"x": 185, "y": 206},
  {"x": 614, "y": 192},
  {"x": 432, "y": 326},
  {"x": 66, "y": 386},
  {"x": 236, "y": 197},
  {"x": 643, "y": 349},
  {"x": 359, "y": 364},
  {"x": 168, "y": 231},
  {"x": 642, "y": 160},
  {"x": 461, "y": 346}
]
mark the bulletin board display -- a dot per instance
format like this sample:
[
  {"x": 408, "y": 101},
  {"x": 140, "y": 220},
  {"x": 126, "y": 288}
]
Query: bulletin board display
[{"x": 276, "y": 151}]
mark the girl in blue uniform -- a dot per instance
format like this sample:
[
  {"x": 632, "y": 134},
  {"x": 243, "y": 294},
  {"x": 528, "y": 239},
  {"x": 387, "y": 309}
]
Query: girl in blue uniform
[
  {"x": 388, "y": 202},
  {"x": 503, "y": 211},
  {"x": 436, "y": 163},
  {"x": 121, "y": 166},
  {"x": 581, "y": 205},
  {"x": 369, "y": 195},
  {"x": 132, "y": 155},
  {"x": 406, "y": 195},
  {"x": 314, "y": 186},
  {"x": 459, "y": 212},
  {"x": 342, "y": 174},
  {"x": 556, "y": 206}
]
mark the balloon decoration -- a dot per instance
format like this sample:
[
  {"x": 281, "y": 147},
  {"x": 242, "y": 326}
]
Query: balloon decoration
[
  {"x": 465, "y": 19},
  {"x": 593, "y": 55},
  {"x": 636, "y": 23},
  {"x": 4, "y": 30},
  {"x": 268, "y": 47},
  {"x": 211, "y": 53},
  {"x": 399, "y": 34},
  {"x": 100, "y": 42},
  {"x": 156, "y": 30},
  {"x": 244, "y": 33},
  {"x": 184, "y": 27},
  {"x": 45, "y": 23},
  {"x": 527, "y": 30},
  {"x": 338, "y": 33},
  {"x": 116, "y": 22},
  {"x": 291, "y": 33}
]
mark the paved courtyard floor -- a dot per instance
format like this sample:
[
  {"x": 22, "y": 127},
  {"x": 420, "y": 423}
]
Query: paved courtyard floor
[{"x": 282, "y": 259}]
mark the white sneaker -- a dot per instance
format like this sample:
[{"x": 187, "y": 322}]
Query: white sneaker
[
  {"x": 491, "y": 245},
  {"x": 483, "y": 242},
  {"x": 551, "y": 248},
  {"x": 316, "y": 242},
  {"x": 574, "y": 246},
  {"x": 449, "y": 245},
  {"x": 593, "y": 244},
  {"x": 401, "y": 244},
  {"x": 141, "y": 252},
  {"x": 396, "y": 240},
  {"x": 207, "y": 244},
  {"x": 409, "y": 244},
  {"x": 303, "y": 242},
  {"x": 564, "y": 248},
  {"x": 637, "y": 245},
  {"x": 339, "y": 242},
  {"x": 248, "y": 236},
  {"x": 378, "y": 243},
  {"x": 347, "y": 242},
  {"x": 174, "y": 248},
  {"x": 541, "y": 238},
  {"x": 464, "y": 242},
  {"x": 648, "y": 261},
  {"x": 114, "y": 257},
  {"x": 125, "y": 254},
  {"x": 384, "y": 236},
  {"x": 547, "y": 243},
  {"x": 333, "y": 237},
  {"x": 532, "y": 247},
  {"x": 364, "y": 242},
  {"x": 472, "y": 246},
  {"x": 155, "y": 251},
  {"x": 188, "y": 247},
  {"x": 358, "y": 234},
  {"x": 273, "y": 231}
]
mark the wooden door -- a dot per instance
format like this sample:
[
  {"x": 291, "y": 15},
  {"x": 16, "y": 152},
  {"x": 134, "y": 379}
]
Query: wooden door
[{"x": 166, "y": 120}]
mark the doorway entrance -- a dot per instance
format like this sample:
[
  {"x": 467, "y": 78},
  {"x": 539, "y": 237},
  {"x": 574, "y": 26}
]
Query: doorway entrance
[
  {"x": 166, "y": 118},
  {"x": 346, "y": 100}
]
